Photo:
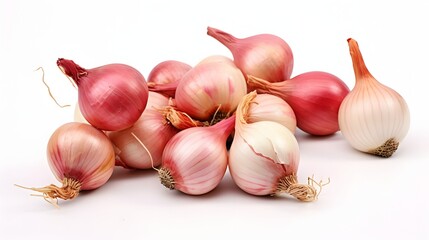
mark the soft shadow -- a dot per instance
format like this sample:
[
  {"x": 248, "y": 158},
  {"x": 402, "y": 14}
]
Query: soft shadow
[
  {"x": 120, "y": 173},
  {"x": 303, "y": 136}
]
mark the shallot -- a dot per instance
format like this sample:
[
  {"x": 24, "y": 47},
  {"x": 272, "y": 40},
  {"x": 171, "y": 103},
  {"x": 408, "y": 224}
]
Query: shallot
[
  {"x": 153, "y": 132},
  {"x": 210, "y": 90},
  {"x": 315, "y": 98},
  {"x": 267, "y": 107},
  {"x": 265, "y": 56},
  {"x": 195, "y": 160},
  {"x": 81, "y": 157},
  {"x": 164, "y": 76},
  {"x": 264, "y": 158},
  {"x": 373, "y": 117},
  {"x": 111, "y": 97}
]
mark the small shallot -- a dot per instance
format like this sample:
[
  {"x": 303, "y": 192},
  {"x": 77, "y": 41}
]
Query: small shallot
[
  {"x": 265, "y": 56},
  {"x": 373, "y": 117},
  {"x": 81, "y": 157},
  {"x": 195, "y": 159},
  {"x": 210, "y": 89},
  {"x": 264, "y": 158},
  {"x": 111, "y": 97},
  {"x": 315, "y": 98},
  {"x": 164, "y": 74},
  {"x": 267, "y": 107},
  {"x": 153, "y": 132}
]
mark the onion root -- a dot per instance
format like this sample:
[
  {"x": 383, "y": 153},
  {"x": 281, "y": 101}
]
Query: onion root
[{"x": 70, "y": 189}]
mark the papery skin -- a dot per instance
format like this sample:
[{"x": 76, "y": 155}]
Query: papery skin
[
  {"x": 260, "y": 155},
  {"x": 207, "y": 86},
  {"x": 111, "y": 97},
  {"x": 197, "y": 157},
  {"x": 151, "y": 129},
  {"x": 81, "y": 152}
]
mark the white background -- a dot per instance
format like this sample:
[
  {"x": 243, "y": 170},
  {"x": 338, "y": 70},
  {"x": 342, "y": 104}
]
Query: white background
[{"x": 368, "y": 197}]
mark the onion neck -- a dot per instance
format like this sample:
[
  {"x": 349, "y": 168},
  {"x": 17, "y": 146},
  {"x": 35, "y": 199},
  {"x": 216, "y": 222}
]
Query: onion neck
[
  {"x": 179, "y": 119},
  {"x": 71, "y": 69},
  {"x": 225, "y": 127},
  {"x": 279, "y": 89},
  {"x": 244, "y": 106},
  {"x": 223, "y": 37},
  {"x": 168, "y": 89},
  {"x": 359, "y": 67}
]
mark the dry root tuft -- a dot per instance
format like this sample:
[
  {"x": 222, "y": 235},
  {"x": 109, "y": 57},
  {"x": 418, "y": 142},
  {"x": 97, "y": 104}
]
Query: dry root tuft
[
  {"x": 166, "y": 178},
  {"x": 387, "y": 149},
  {"x": 69, "y": 190},
  {"x": 303, "y": 192}
]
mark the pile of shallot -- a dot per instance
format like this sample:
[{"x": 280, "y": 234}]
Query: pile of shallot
[{"x": 193, "y": 124}]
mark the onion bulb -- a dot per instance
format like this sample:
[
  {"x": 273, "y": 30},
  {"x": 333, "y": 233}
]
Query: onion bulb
[
  {"x": 265, "y": 56},
  {"x": 151, "y": 130},
  {"x": 264, "y": 158},
  {"x": 81, "y": 157},
  {"x": 195, "y": 160},
  {"x": 373, "y": 118},
  {"x": 111, "y": 97},
  {"x": 315, "y": 98},
  {"x": 210, "y": 88}
]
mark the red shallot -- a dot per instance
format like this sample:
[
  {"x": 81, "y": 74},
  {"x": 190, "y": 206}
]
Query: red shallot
[
  {"x": 195, "y": 159},
  {"x": 315, "y": 98},
  {"x": 81, "y": 157},
  {"x": 153, "y": 132},
  {"x": 265, "y": 56},
  {"x": 111, "y": 97},
  {"x": 165, "y": 74},
  {"x": 210, "y": 88}
]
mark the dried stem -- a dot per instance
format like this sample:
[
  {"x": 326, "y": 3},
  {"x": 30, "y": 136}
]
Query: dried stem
[
  {"x": 180, "y": 120},
  {"x": 70, "y": 189},
  {"x": 244, "y": 106},
  {"x": 218, "y": 116},
  {"x": 303, "y": 192},
  {"x": 49, "y": 89}
]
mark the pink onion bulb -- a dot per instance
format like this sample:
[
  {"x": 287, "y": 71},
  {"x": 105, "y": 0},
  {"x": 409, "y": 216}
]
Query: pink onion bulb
[
  {"x": 267, "y": 107},
  {"x": 265, "y": 56},
  {"x": 315, "y": 98},
  {"x": 111, "y": 97},
  {"x": 216, "y": 58},
  {"x": 81, "y": 157},
  {"x": 214, "y": 87},
  {"x": 165, "y": 73},
  {"x": 168, "y": 71},
  {"x": 152, "y": 131},
  {"x": 195, "y": 159}
]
